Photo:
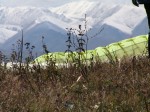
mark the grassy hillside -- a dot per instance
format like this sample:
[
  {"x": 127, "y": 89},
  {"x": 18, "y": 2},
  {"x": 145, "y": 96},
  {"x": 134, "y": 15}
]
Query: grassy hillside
[{"x": 122, "y": 86}]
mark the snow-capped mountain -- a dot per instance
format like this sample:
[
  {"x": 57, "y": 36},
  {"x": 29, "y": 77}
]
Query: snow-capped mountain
[{"x": 119, "y": 21}]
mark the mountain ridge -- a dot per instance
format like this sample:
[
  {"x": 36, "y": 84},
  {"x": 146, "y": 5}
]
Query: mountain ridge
[{"x": 119, "y": 22}]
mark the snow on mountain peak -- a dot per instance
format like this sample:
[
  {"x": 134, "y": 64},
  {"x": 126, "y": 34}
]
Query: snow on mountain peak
[{"x": 118, "y": 20}]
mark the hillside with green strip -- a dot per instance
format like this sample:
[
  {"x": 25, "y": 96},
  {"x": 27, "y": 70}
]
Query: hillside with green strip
[{"x": 129, "y": 47}]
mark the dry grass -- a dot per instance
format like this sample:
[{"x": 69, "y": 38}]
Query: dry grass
[{"x": 123, "y": 86}]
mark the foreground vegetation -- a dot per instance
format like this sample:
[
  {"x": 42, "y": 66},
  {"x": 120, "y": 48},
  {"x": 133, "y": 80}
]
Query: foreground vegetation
[{"x": 121, "y": 86}]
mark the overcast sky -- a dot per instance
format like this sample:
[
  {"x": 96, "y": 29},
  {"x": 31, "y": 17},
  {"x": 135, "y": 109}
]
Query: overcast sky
[{"x": 51, "y": 3}]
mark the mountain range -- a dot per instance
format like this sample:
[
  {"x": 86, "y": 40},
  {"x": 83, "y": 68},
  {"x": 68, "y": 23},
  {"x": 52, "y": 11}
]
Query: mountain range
[{"x": 117, "y": 22}]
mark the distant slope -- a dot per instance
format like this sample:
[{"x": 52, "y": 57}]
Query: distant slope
[{"x": 53, "y": 39}]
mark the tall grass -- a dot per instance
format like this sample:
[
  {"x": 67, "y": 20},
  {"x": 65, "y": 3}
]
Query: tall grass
[{"x": 120, "y": 87}]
